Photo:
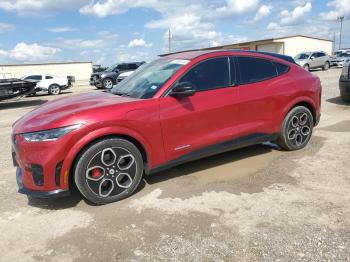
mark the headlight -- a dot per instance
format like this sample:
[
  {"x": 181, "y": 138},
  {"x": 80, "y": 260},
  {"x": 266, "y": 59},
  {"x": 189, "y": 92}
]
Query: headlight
[{"x": 49, "y": 135}]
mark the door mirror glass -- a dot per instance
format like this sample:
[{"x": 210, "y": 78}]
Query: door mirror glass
[{"x": 183, "y": 89}]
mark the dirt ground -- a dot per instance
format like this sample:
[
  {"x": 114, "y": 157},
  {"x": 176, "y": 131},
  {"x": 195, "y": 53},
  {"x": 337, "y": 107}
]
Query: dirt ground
[{"x": 254, "y": 204}]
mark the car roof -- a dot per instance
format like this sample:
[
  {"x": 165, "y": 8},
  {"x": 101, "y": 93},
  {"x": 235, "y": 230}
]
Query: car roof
[{"x": 190, "y": 55}]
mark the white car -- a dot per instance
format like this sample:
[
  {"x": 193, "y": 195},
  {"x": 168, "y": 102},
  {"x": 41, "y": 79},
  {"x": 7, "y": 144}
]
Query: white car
[
  {"x": 49, "y": 83},
  {"x": 124, "y": 75}
]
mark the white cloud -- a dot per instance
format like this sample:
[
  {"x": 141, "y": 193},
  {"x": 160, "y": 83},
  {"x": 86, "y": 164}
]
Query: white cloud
[
  {"x": 139, "y": 42},
  {"x": 295, "y": 16},
  {"x": 79, "y": 43},
  {"x": 263, "y": 12},
  {"x": 32, "y": 6},
  {"x": 62, "y": 29},
  {"x": 340, "y": 8},
  {"x": 237, "y": 7},
  {"x": 30, "y": 52},
  {"x": 108, "y": 35},
  {"x": 6, "y": 27}
]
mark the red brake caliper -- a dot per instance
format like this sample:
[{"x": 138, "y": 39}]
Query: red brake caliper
[{"x": 96, "y": 173}]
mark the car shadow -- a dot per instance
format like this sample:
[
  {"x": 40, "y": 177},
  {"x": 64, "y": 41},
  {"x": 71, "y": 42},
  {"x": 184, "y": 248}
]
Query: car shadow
[
  {"x": 182, "y": 170},
  {"x": 338, "y": 101},
  {"x": 22, "y": 103},
  {"x": 210, "y": 162}
]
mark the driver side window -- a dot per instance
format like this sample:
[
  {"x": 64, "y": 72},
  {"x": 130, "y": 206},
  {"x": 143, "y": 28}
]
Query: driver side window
[{"x": 210, "y": 74}]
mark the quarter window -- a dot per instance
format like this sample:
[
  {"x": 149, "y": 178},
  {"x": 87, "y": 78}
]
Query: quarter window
[
  {"x": 281, "y": 68},
  {"x": 255, "y": 69},
  {"x": 210, "y": 74}
]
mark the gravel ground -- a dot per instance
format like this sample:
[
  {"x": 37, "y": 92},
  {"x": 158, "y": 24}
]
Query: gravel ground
[{"x": 254, "y": 204}]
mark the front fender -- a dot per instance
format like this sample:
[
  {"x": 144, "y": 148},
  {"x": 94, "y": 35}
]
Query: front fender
[{"x": 97, "y": 134}]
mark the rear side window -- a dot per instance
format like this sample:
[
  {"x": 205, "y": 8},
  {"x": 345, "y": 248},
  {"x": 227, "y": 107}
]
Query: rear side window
[
  {"x": 48, "y": 77},
  {"x": 133, "y": 66},
  {"x": 210, "y": 74},
  {"x": 34, "y": 77},
  {"x": 281, "y": 68},
  {"x": 252, "y": 69}
]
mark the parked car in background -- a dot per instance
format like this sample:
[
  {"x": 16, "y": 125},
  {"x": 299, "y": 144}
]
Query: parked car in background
[
  {"x": 312, "y": 60},
  {"x": 344, "y": 82},
  {"x": 124, "y": 75},
  {"x": 340, "y": 59},
  {"x": 109, "y": 78},
  {"x": 178, "y": 108},
  {"x": 49, "y": 83},
  {"x": 15, "y": 88},
  {"x": 340, "y": 51}
]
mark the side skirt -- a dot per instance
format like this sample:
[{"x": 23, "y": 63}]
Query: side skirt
[{"x": 216, "y": 149}]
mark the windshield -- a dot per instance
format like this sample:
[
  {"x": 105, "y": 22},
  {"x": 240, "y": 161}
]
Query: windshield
[
  {"x": 111, "y": 68},
  {"x": 303, "y": 56},
  {"x": 149, "y": 78}
]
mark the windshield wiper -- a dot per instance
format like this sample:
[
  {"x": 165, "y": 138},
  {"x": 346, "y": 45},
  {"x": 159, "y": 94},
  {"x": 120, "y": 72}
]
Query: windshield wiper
[{"x": 121, "y": 94}]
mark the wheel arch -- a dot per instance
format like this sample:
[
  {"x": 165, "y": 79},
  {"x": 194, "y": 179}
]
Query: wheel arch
[
  {"x": 74, "y": 153},
  {"x": 306, "y": 102}
]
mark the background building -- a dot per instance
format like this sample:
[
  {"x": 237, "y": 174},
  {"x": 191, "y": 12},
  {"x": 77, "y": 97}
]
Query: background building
[
  {"x": 290, "y": 45},
  {"x": 80, "y": 70}
]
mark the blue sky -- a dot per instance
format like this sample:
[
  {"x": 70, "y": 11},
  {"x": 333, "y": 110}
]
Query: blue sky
[{"x": 110, "y": 31}]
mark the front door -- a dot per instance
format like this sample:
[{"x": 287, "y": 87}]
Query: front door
[{"x": 208, "y": 117}]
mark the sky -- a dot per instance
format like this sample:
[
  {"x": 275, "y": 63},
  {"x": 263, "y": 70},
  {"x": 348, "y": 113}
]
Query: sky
[{"x": 111, "y": 31}]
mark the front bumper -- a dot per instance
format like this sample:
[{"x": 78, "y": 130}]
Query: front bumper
[
  {"x": 41, "y": 170},
  {"x": 38, "y": 194},
  {"x": 96, "y": 82}
]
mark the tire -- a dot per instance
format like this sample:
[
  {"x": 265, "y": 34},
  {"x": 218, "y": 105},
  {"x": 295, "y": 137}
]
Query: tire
[
  {"x": 296, "y": 129},
  {"x": 345, "y": 97},
  {"x": 326, "y": 66},
  {"x": 54, "y": 90},
  {"x": 108, "y": 171},
  {"x": 307, "y": 67},
  {"x": 107, "y": 83}
]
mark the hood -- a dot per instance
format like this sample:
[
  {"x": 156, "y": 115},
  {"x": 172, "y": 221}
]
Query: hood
[
  {"x": 300, "y": 61},
  {"x": 64, "y": 111}
]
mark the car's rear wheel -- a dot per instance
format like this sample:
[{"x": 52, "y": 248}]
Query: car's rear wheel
[
  {"x": 296, "y": 129},
  {"x": 326, "y": 66},
  {"x": 54, "y": 89},
  {"x": 307, "y": 67},
  {"x": 107, "y": 83},
  {"x": 108, "y": 171}
]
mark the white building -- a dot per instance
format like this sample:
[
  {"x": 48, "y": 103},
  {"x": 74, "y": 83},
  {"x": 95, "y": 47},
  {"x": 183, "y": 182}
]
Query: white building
[
  {"x": 80, "y": 70},
  {"x": 289, "y": 45}
]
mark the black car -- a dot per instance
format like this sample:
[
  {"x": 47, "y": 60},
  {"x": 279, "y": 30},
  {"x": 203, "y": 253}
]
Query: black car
[
  {"x": 109, "y": 77},
  {"x": 15, "y": 88},
  {"x": 344, "y": 83}
]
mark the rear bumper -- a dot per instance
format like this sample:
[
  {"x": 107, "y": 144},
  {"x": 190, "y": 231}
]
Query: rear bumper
[{"x": 35, "y": 193}]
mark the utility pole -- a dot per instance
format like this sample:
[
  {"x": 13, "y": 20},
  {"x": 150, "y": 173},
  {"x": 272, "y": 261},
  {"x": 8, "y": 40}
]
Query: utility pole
[
  {"x": 170, "y": 37},
  {"x": 340, "y": 18}
]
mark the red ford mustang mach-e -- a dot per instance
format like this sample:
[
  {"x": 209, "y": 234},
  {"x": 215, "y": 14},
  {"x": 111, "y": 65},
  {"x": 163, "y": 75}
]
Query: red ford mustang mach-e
[{"x": 178, "y": 108}]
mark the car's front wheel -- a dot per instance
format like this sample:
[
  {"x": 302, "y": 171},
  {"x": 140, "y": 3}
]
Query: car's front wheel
[
  {"x": 296, "y": 129},
  {"x": 54, "y": 89},
  {"x": 326, "y": 66},
  {"x": 109, "y": 170},
  {"x": 307, "y": 67},
  {"x": 107, "y": 83}
]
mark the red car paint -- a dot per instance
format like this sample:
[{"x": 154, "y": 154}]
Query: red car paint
[{"x": 166, "y": 127}]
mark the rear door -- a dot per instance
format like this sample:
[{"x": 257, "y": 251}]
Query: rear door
[
  {"x": 259, "y": 91},
  {"x": 207, "y": 118}
]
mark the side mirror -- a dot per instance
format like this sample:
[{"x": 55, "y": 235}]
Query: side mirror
[
  {"x": 312, "y": 57},
  {"x": 183, "y": 89}
]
